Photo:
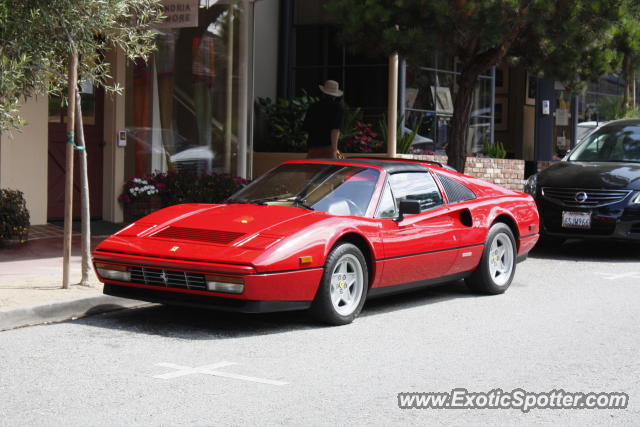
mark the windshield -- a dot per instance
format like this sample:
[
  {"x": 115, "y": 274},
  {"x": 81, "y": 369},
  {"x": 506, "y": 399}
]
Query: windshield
[
  {"x": 335, "y": 189},
  {"x": 612, "y": 143}
]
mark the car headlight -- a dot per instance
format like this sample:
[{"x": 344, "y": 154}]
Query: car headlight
[
  {"x": 226, "y": 284},
  {"x": 635, "y": 200},
  {"x": 531, "y": 184},
  {"x": 113, "y": 272}
]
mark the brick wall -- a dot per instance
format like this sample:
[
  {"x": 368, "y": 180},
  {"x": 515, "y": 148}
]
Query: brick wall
[{"x": 508, "y": 173}]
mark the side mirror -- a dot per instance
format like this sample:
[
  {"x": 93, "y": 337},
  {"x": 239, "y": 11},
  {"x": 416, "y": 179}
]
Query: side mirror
[{"x": 408, "y": 206}]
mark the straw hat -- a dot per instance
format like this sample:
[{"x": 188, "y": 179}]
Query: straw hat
[{"x": 330, "y": 87}]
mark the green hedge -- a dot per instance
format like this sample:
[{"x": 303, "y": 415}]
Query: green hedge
[
  {"x": 14, "y": 216},
  {"x": 181, "y": 187}
]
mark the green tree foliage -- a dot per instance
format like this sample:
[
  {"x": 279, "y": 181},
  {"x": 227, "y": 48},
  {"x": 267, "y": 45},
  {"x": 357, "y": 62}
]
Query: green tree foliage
[
  {"x": 626, "y": 42},
  {"x": 568, "y": 40},
  {"x": 36, "y": 37}
]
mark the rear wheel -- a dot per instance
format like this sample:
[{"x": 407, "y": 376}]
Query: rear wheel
[
  {"x": 343, "y": 288},
  {"x": 498, "y": 264}
]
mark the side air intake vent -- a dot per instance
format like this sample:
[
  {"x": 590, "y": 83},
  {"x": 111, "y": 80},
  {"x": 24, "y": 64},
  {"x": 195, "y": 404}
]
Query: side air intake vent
[
  {"x": 456, "y": 192},
  {"x": 199, "y": 235}
]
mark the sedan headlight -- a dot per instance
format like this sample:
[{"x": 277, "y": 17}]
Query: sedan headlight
[
  {"x": 635, "y": 200},
  {"x": 226, "y": 284},
  {"x": 531, "y": 184},
  {"x": 113, "y": 272}
]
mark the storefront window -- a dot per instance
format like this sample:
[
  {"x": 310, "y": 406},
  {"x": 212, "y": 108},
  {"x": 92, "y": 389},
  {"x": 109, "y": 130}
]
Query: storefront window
[
  {"x": 182, "y": 103},
  {"x": 428, "y": 105},
  {"x": 318, "y": 55},
  {"x": 601, "y": 99}
]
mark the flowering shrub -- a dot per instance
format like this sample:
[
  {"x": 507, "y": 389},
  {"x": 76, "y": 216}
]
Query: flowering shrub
[
  {"x": 14, "y": 216},
  {"x": 186, "y": 187},
  {"x": 181, "y": 187},
  {"x": 138, "y": 188},
  {"x": 362, "y": 140}
]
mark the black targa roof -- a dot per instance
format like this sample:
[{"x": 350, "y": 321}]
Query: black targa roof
[{"x": 391, "y": 166}]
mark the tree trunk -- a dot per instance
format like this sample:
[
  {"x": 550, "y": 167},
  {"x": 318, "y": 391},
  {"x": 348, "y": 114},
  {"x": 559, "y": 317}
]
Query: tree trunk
[
  {"x": 627, "y": 73},
  {"x": 457, "y": 146},
  {"x": 68, "y": 191},
  {"x": 634, "y": 104},
  {"x": 86, "y": 213}
]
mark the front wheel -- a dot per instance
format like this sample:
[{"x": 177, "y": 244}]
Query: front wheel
[
  {"x": 498, "y": 264},
  {"x": 343, "y": 288}
]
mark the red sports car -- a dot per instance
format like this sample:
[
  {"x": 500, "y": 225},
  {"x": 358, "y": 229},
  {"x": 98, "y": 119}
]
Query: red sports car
[{"x": 324, "y": 235}]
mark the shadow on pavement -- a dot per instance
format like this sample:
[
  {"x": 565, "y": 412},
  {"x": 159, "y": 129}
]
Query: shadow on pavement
[
  {"x": 201, "y": 324},
  {"x": 588, "y": 250}
]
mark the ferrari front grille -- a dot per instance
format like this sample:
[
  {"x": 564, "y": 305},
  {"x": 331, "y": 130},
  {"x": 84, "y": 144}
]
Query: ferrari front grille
[
  {"x": 199, "y": 235},
  {"x": 168, "y": 278},
  {"x": 586, "y": 198}
]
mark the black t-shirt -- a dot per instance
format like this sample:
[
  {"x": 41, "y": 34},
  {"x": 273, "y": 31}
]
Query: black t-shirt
[{"x": 322, "y": 117}]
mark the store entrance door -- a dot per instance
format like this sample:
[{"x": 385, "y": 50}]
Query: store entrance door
[{"x": 92, "y": 112}]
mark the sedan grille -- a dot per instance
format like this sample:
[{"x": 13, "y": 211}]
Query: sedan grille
[
  {"x": 585, "y": 198},
  {"x": 168, "y": 278}
]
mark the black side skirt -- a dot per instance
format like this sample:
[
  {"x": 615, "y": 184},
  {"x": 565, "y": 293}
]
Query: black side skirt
[
  {"x": 413, "y": 286},
  {"x": 203, "y": 301}
]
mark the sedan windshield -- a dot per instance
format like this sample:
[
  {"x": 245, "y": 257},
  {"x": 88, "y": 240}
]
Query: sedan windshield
[
  {"x": 335, "y": 189},
  {"x": 612, "y": 143}
]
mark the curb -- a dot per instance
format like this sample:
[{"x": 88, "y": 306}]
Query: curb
[{"x": 61, "y": 311}]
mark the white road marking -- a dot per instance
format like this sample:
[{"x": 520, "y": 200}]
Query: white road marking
[
  {"x": 211, "y": 370},
  {"x": 185, "y": 370},
  {"x": 611, "y": 276}
]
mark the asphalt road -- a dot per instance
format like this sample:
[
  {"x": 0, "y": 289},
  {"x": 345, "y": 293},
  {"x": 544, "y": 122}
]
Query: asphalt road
[{"x": 570, "y": 321}]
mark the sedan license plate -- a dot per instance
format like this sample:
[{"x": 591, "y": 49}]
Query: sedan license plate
[{"x": 576, "y": 219}]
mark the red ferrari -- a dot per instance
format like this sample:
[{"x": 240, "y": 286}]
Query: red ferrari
[{"x": 324, "y": 235}]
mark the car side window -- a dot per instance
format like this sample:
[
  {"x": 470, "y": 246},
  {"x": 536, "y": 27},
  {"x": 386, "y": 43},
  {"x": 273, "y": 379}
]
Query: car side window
[
  {"x": 386, "y": 207},
  {"x": 416, "y": 186}
]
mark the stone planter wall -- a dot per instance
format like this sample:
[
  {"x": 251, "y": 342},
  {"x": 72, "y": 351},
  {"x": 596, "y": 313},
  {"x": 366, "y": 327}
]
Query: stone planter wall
[
  {"x": 141, "y": 207},
  {"x": 508, "y": 173}
]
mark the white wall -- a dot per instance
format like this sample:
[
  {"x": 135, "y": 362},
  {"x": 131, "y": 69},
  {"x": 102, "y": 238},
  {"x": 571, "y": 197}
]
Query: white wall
[
  {"x": 113, "y": 176},
  {"x": 24, "y": 158},
  {"x": 266, "y": 15}
]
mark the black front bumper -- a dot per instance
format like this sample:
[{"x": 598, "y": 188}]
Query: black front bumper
[
  {"x": 613, "y": 222},
  {"x": 203, "y": 301}
]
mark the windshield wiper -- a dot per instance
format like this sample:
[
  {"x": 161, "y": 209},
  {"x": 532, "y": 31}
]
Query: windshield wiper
[
  {"x": 301, "y": 202},
  {"x": 298, "y": 201},
  {"x": 234, "y": 201}
]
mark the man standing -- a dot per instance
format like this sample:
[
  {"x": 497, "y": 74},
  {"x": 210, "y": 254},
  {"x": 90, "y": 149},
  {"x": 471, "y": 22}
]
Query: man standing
[{"x": 323, "y": 122}]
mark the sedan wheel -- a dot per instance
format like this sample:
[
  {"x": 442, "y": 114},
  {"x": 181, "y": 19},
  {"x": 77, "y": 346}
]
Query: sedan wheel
[
  {"x": 343, "y": 289},
  {"x": 498, "y": 264}
]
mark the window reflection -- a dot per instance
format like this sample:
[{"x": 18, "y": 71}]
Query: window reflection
[{"x": 181, "y": 113}]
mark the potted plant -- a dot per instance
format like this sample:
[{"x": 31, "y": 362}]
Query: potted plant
[{"x": 140, "y": 197}]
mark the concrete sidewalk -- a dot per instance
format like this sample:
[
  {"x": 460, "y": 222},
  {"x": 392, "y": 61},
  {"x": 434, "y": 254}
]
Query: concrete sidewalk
[{"x": 31, "y": 283}]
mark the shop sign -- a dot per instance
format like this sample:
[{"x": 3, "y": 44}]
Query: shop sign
[{"x": 179, "y": 14}]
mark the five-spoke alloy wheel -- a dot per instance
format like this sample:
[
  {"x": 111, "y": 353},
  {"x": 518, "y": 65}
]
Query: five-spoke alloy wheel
[
  {"x": 498, "y": 264},
  {"x": 343, "y": 288}
]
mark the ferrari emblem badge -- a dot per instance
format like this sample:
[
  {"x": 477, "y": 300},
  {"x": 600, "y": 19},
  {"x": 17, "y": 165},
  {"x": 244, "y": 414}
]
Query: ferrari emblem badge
[
  {"x": 174, "y": 249},
  {"x": 341, "y": 284}
]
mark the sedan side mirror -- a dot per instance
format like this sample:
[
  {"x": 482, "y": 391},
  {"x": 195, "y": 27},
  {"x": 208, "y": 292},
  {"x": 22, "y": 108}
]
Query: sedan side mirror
[{"x": 408, "y": 206}]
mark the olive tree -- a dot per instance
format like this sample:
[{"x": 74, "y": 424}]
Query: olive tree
[{"x": 47, "y": 46}]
